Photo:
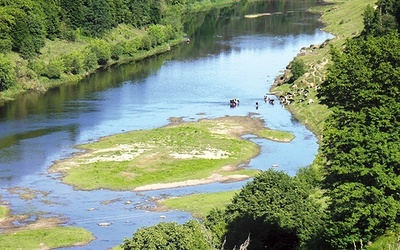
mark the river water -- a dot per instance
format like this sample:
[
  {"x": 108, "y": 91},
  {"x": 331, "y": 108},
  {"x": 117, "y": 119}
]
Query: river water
[{"x": 229, "y": 56}]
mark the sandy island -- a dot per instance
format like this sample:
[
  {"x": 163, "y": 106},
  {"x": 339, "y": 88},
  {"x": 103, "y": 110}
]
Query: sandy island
[{"x": 128, "y": 157}]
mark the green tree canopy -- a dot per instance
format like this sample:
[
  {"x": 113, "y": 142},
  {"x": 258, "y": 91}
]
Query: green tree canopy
[
  {"x": 7, "y": 76},
  {"x": 170, "y": 236},
  {"x": 365, "y": 74},
  {"x": 276, "y": 211}
]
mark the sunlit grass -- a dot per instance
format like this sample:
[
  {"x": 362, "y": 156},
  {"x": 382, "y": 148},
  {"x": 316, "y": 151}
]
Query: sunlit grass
[
  {"x": 388, "y": 241},
  {"x": 199, "y": 205},
  {"x": 187, "y": 151},
  {"x": 3, "y": 212},
  {"x": 45, "y": 238}
]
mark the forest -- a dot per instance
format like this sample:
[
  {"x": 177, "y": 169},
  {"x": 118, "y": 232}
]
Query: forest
[{"x": 360, "y": 154}]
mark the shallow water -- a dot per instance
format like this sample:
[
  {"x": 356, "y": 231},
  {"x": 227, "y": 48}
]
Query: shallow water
[{"x": 228, "y": 57}]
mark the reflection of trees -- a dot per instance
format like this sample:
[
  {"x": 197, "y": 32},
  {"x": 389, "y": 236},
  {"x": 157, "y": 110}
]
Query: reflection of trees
[
  {"x": 54, "y": 100},
  {"x": 287, "y": 18}
]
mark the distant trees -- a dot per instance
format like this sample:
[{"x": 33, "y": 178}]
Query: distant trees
[{"x": 26, "y": 24}]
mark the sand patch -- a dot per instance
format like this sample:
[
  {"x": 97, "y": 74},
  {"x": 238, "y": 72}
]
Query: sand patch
[
  {"x": 213, "y": 178},
  {"x": 205, "y": 154}
]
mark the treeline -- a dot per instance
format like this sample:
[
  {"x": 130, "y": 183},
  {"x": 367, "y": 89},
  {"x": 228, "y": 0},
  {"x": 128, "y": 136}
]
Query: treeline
[
  {"x": 360, "y": 152},
  {"x": 108, "y": 28},
  {"x": 361, "y": 139}
]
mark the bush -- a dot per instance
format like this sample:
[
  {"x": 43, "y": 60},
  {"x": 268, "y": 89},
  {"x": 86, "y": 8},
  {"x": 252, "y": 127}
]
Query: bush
[
  {"x": 73, "y": 62},
  {"x": 298, "y": 68},
  {"x": 276, "y": 211},
  {"x": 169, "y": 236},
  {"x": 90, "y": 60},
  {"x": 7, "y": 76},
  {"x": 102, "y": 50},
  {"x": 54, "y": 69}
]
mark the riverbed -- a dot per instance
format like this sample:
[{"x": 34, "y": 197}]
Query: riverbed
[{"x": 229, "y": 57}]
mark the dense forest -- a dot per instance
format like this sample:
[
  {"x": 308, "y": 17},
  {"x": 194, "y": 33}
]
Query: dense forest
[{"x": 360, "y": 178}]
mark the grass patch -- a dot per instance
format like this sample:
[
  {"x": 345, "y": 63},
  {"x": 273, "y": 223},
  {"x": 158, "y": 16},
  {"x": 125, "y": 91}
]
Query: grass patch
[
  {"x": 178, "y": 152},
  {"x": 45, "y": 238},
  {"x": 276, "y": 135},
  {"x": 390, "y": 240},
  {"x": 199, "y": 205},
  {"x": 3, "y": 212}
]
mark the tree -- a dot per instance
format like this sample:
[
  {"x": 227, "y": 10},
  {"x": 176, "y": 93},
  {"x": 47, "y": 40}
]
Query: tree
[
  {"x": 298, "y": 68},
  {"x": 6, "y": 22},
  {"x": 365, "y": 74},
  {"x": 7, "y": 76},
  {"x": 101, "y": 49},
  {"x": 98, "y": 18},
  {"x": 362, "y": 173},
  {"x": 170, "y": 236},
  {"x": 73, "y": 13},
  {"x": 275, "y": 210}
]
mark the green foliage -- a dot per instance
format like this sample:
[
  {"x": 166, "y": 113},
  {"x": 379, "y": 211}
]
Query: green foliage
[
  {"x": 157, "y": 31},
  {"x": 73, "y": 12},
  {"x": 275, "y": 210},
  {"x": 170, "y": 236},
  {"x": 98, "y": 18},
  {"x": 362, "y": 170},
  {"x": 73, "y": 62},
  {"x": 7, "y": 76},
  {"x": 90, "y": 60},
  {"x": 29, "y": 31},
  {"x": 365, "y": 74},
  {"x": 102, "y": 50},
  {"x": 6, "y": 22},
  {"x": 362, "y": 173},
  {"x": 54, "y": 69},
  {"x": 382, "y": 20},
  {"x": 51, "y": 238},
  {"x": 298, "y": 68}
]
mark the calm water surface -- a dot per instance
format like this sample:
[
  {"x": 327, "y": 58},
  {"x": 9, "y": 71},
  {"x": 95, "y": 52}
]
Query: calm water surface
[{"x": 229, "y": 56}]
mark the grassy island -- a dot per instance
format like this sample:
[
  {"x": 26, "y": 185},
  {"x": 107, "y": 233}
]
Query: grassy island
[{"x": 180, "y": 154}]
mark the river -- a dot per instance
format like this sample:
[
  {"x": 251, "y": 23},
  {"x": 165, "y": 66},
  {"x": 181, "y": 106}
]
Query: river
[{"x": 229, "y": 56}]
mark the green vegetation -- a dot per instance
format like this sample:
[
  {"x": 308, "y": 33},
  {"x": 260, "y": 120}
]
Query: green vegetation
[
  {"x": 199, "y": 205},
  {"x": 273, "y": 206},
  {"x": 317, "y": 59},
  {"x": 389, "y": 240},
  {"x": 45, "y": 238},
  {"x": 180, "y": 152},
  {"x": 3, "y": 212},
  {"x": 171, "y": 236}
]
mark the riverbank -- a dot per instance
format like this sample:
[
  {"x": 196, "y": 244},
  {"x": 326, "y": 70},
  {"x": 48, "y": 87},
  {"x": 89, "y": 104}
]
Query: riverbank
[
  {"x": 180, "y": 154},
  {"x": 344, "y": 20},
  {"x": 61, "y": 62}
]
